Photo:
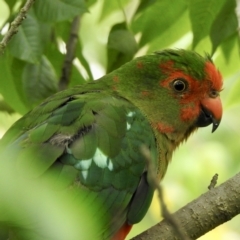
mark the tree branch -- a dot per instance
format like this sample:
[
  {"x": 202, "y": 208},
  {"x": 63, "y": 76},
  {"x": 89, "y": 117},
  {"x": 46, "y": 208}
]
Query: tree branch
[
  {"x": 203, "y": 214},
  {"x": 15, "y": 24},
  {"x": 71, "y": 48}
]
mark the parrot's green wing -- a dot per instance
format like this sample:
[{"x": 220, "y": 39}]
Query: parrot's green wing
[{"x": 93, "y": 139}]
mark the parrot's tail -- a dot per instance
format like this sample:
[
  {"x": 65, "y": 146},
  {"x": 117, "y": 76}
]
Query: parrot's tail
[{"x": 122, "y": 232}]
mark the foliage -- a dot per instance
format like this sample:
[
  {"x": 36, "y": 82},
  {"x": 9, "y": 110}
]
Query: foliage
[
  {"x": 152, "y": 25},
  {"x": 31, "y": 208},
  {"x": 112, "y": 33}
]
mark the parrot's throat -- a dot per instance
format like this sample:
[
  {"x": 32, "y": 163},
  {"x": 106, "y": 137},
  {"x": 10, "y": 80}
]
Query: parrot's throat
[{"x": 167, "y": 143}]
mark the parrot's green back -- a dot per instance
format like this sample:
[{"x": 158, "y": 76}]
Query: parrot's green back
[{"x": 92, "y": 135}]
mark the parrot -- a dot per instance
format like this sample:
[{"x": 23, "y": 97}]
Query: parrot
[{"x": 93, "y": 133}]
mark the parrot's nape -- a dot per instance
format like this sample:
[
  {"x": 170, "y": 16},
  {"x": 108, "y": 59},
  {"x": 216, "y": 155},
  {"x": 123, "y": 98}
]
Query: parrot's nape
[{"x": 96, "y": 130}]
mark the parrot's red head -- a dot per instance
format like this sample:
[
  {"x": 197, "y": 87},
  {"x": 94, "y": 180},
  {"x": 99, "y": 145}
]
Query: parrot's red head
[
  {"x": 177, "y": 90},
  {"x": 197, "y": 91}
]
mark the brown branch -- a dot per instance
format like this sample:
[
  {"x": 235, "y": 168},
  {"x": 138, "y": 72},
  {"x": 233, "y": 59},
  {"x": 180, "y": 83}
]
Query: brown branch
[
  {"x": 213, "y": 182},
  {"x": 15, "y": 25},
  {"x": 203, "y": 214},
  {"x": 71, "y": 48}
]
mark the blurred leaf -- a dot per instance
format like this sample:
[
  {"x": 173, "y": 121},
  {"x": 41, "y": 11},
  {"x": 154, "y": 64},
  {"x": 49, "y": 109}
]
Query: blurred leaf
[
  {"x": 144, "y": 4},
  {"x": 58, "y": 10},
  {"x": 76, "y": 77},
  {"x": 228, "y": 45},
  {"x": 202, "y": 14},
  {"x": 39, "y": 81},
  {"x": 59, "y": 32},
  {"x": 10, "y": 3},
  {"x": 157, "y": 18},
  {"x": 172, "y": 34},
  {"x": 45, "y": 33},
  {"x": 17, "y": 67},
  {"x": 109, "y": 7},
  {"x": 7, "y": 85},
  {"x": 33, "y": 209},
  {"x": 233, "y": 97},
  {"x": 55, "y": 57},
  {"x": 224, "y": 25},
  {"x": 230, "y": 68},
  {"x": 26, "y": 44},
  {"x": 4, "y": 107},
  {"x": 121, "y": 46},
  {"x": 90, "y": 2},
  {"x": 83, "y": 60},
  {"x": 62, "y": 30}
]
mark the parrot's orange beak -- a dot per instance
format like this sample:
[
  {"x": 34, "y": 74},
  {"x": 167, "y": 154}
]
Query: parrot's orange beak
[{"x": 211, "y": 112}]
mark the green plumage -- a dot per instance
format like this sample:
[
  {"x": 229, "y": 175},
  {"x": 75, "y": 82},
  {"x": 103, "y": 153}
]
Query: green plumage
[{"x": 92, "y": 135}]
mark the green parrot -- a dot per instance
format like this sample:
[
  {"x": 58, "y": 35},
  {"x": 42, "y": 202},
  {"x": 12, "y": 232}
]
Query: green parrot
[{"x": 93, "y": 134}]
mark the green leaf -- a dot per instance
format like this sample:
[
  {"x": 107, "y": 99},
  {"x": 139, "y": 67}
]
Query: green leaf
[
  {"x": 231, "y": 67},
  {"x": 224, "y": 25},
  {"x": 26, "y": 44},
  {"x": 228, "y": 45},
  {"x": 121, "y": 46},
  {"x": 109, "y": 7},
  {"x": 144, "y": 4},
  {"x": 39, "y": 81},
  {"x": 233, "y": 97},
  {"x": 59, "y": 10},
  {"x": 62, "y": 30},
  {"x": 172, "y": 35},
  {"x": 70, "y": 213},
  {"x": 10, "y": 3},
  {"x": 157, "y": 18},
  {"x": 8, "y": 88},
  {"x": 202, "y": 14},
  {"x": 55, "y": 57},
  {"x": 83, "y": 60},
  {"x": 45, "y": 32},
  {"x": 90, "y": 2},
  {"x": 76, "y": 77},
  {"x": 17, "y": 67}
]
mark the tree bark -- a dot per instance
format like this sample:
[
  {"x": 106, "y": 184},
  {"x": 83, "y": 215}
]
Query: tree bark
[{"x": 203, "y": 214}]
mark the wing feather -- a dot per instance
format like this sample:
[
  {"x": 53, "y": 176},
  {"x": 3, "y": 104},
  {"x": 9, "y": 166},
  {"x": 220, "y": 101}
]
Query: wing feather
[{"x": 94, "y": 141}]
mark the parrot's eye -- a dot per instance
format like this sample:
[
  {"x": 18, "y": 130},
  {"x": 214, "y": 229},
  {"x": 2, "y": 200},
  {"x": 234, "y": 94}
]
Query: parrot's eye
[
  {"x": 214, "y": 94},
  {"x": 179, "y": 85}
]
